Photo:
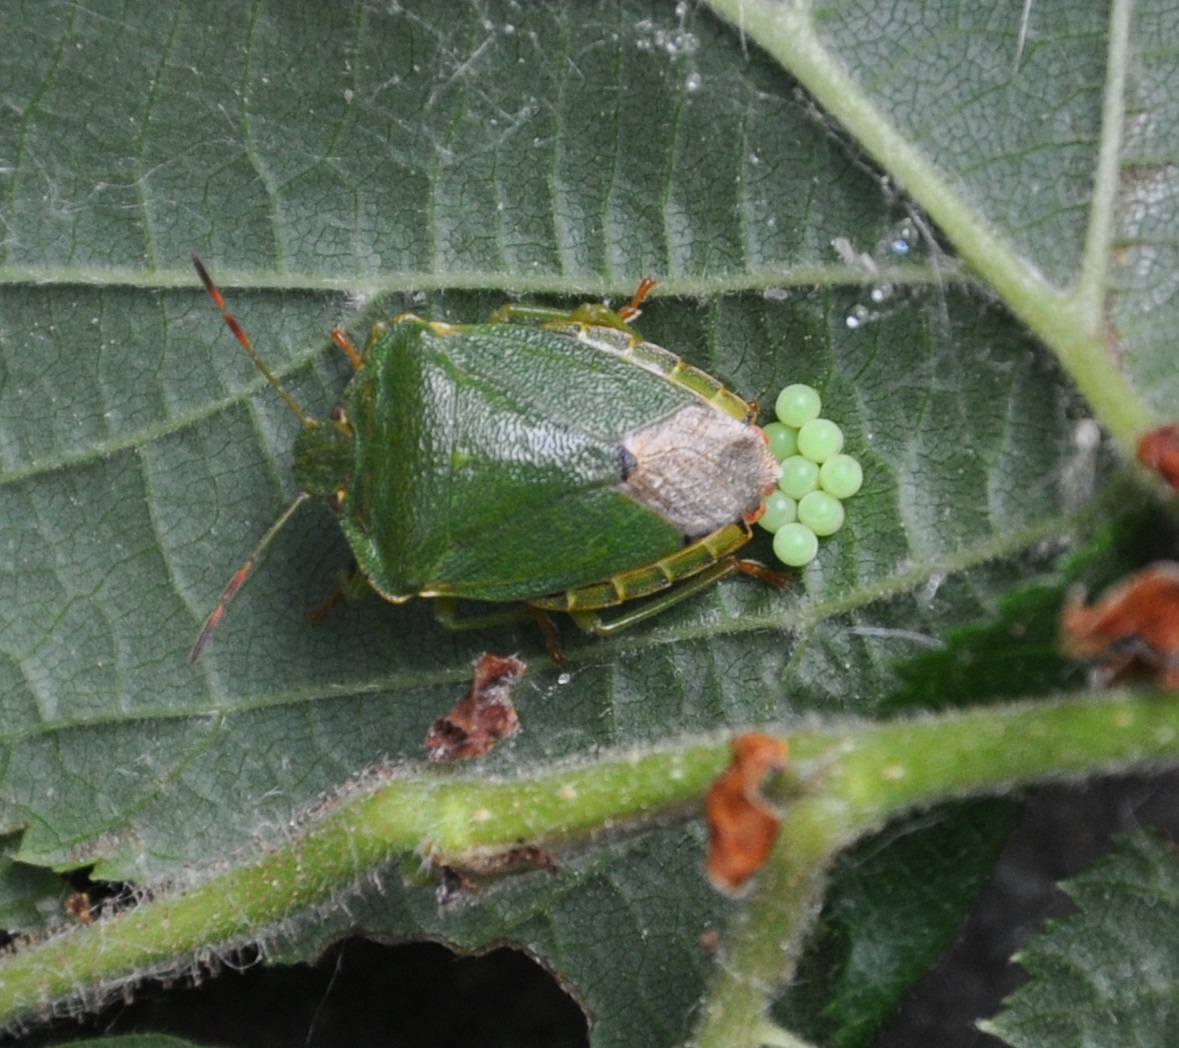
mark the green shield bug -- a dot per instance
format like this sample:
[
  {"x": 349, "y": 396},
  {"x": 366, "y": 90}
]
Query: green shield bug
[{"x": 552, "y": 460}]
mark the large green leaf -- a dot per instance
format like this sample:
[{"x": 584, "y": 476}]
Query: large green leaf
[
  {"x": 340, "y": 163},
  {"x": 142, "y": 462}
]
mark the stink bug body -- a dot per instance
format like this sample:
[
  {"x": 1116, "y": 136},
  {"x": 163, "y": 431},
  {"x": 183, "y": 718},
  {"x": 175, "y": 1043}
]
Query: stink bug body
[{"x": 550, "y": 459}]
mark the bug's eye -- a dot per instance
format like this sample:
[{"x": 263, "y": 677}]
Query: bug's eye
[
  {"x": 337, "y": 414},
  {"x": 336, "y": 499}
]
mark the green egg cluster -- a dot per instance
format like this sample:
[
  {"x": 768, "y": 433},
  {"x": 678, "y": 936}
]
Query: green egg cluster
[{"x": 816, "y": 476}]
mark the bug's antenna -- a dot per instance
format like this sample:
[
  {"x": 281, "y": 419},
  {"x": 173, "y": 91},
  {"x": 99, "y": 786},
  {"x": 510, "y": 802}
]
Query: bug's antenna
[
  {"x": 239, "y": 579},
  {"x": 244, "y": 339}
]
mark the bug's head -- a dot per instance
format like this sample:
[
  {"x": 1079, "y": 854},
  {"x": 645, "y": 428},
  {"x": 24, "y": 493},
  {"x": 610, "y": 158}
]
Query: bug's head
[{"x": 323, "y": 458}]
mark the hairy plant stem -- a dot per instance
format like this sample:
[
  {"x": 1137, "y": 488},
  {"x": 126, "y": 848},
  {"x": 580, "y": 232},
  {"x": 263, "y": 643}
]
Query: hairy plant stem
[
  {"x": 856, "y": 776},
  {"x": 859, "y": 779}
]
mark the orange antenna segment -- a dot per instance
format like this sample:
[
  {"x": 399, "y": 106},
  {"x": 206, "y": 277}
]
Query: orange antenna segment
[
  {"x": 244, "y": 339},
  {"x": 234, "y": 585}
]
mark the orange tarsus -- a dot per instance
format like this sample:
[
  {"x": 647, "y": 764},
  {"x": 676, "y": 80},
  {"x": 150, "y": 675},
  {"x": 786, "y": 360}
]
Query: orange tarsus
[
  {"x": 756, "y": 515},
  {"x": 628, "y": 312},
  {"x": 758, "y": 570},
  {"x": 317, "y": 614},
  {"x": 548, "y": 632},
  {"x": 341, "y": 339}
]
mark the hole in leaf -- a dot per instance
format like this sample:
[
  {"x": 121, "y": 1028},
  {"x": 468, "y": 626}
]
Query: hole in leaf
[{"x": 361, "y": 993}]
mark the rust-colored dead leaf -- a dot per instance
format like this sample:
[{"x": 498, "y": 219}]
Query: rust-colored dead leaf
[
  {"x": 1133, "y": 630},
  {"x": 460, "y": 877},
  {"x": 483, "y": 717},
  {"x": 1158, "y": 450},
  {"x": 742, "y": 825},
  {"x": 78, "y": 906}
]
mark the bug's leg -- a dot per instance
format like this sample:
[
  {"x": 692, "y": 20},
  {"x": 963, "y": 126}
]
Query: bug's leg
[
  {"x": 351, "y": 586},
  {"x": 759, "y": 571},
  {"x": 548, "y": 632},
  {"x": 317, "y": 614},
  {"x": 445, "y": 612},
  {"x": 628, "y": 313},
  {"x": 341, "y": 339},
  {"x": 517, "y": 313},
  {"x": 595, "y": 314},
  {"x": 598, "y": 315},
  {"x": 592, "y": 622}
]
